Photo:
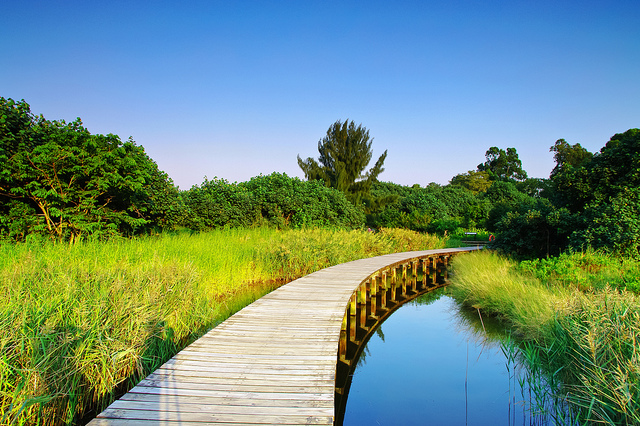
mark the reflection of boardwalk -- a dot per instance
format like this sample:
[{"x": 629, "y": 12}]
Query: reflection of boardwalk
[{"x": 274, "y": 362}]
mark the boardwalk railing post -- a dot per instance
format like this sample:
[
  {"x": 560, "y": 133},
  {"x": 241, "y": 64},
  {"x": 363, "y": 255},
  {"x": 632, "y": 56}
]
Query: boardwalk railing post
[{"x": 374, "y": 296}]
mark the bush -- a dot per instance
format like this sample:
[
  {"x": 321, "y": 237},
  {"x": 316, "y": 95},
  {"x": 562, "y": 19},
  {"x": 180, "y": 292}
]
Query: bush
[{"x": 276, "y": 200}]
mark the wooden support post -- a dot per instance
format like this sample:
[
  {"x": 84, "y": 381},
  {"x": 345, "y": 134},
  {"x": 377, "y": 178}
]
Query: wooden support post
[
  {"x": 374, "y": 296},
  {"x": 363, "y": 304},
  {"x": 414, "y": 267},
  {"x": 352, "y": 317},
  {"x": 394, "y": 275},
  {"x": 425, "y": 272},
  {"x": 342, "y": 345},
  {"x": 404, "y": 271}
]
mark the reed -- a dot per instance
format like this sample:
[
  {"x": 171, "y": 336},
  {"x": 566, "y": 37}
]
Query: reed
[
  {"x": 490, "y": 283},
  {"x": 579, "y": 339},
  {"x": 81, "y": 324}
]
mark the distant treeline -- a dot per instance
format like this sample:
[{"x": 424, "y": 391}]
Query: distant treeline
[{"x": 59, "y": 181}]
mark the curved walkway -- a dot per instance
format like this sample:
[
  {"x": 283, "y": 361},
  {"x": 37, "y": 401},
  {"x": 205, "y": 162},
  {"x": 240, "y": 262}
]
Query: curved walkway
[{"x": 273, "y": 362}]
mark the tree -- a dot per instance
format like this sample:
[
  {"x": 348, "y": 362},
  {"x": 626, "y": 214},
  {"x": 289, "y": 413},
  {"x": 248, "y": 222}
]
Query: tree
[
  {"x": 568, "y": 156},
  {"x": 58, "y": 179},
  {"x": 474, "y": 181},
  {"x": 503, "y": 165},
  {"x": 345, "y": 153},
  {"x": 596, "y": 179}
]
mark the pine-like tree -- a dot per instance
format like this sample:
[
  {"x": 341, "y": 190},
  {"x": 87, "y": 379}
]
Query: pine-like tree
[{"x": 345, "y": 153}]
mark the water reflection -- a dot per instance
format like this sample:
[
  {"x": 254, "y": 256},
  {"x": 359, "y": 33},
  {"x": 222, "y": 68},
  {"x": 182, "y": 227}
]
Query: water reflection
[{"x": 432, "y": 362}]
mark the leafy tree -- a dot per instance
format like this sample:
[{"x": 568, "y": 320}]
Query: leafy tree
[
  {"x": 503, "y": 197},
  {"x": 533, "y": 229},
  {"x": 614, "y": 225},
  {"x": 595, "y": 180},
  {"x": 70, "y": 183},
  {"x": 345, "y": 153},
  {"x": 595, "y": 202},
  {"x": 475, "y": 181},
  {"x": 503, "y": 165},
  {"x": 566, "y": 156}
]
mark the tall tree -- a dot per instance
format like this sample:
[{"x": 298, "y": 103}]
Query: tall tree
[
  {"x": 503, "y": 165},
  {"x": 567, "y": 155},
  {"x": 345, "y": 153},
  {"x": 58, "y": 179}
]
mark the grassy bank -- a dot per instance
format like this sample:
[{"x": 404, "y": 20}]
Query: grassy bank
[
  {"x": 577, "y": 321},
  {"x": 81, "y": 323}
]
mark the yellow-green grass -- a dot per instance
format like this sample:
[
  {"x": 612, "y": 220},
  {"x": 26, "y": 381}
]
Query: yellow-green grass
[
  {"x": 81, "y": 323},
  {"x": 584, "y": 335}
]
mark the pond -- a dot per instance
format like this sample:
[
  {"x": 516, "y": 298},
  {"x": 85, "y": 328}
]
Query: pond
[{"x": 434, "y": 363}]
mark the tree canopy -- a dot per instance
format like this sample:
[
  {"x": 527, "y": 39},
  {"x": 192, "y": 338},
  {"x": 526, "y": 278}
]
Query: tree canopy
[
  {"x": 503, "y": 165},
  {"x": 345, "y": 153},
  {"x": 58, "y": 179}
]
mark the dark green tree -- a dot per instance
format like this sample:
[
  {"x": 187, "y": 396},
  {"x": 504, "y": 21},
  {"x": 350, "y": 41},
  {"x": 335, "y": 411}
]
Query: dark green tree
[
  {"x": 345, "y": 153},
  {"x": 57, "y": 179},
  {"x": 594, "y": 180},
  {"x": 567, "y": 155},
  {"x": 503, "y": 165}
]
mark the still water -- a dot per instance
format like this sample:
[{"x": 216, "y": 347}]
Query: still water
[{"x": 432, "y": 363}]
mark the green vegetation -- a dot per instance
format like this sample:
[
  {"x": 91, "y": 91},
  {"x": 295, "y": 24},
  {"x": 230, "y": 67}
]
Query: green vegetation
[
  {"x": 577, "y": 321},
  {"x": 274, "y": 200},
  {"x": 590, "y": 200},
  {"x": 81, "y": 323},
  {"x": 59, "y": 180},
  {"x": 345, "y": 153}
]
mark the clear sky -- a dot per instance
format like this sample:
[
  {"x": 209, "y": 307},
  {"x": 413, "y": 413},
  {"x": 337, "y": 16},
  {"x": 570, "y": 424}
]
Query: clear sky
[{"x": 235, "y": 89}]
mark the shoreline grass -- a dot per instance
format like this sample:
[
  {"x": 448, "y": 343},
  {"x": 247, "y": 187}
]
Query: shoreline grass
[
  {"x": 80, "y": 324},
  {"x": 575, "y": 321}
]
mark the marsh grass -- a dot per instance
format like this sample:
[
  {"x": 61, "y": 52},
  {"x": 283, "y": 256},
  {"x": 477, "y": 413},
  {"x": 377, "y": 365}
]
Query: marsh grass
[
  {"x": 489, "y": 282},
  {"x": 81, "y": 324},
  {"x": 580, "y": 341}
]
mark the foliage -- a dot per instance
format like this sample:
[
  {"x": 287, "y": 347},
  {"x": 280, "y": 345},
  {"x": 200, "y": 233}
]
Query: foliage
[
  {"x": 58, "y": 180},
  {"x": 566, "y": 155},
  {"x": 534, "y": 229},
  {"x": 586, "y": 270},
  {"x": 503, "y": 197},
  {"x": 503, "y": 165},
  {"x": 474, "y": 180},
  {"x": 594, "y": 180},
  {"x": 217, "y": 203},
  {"x": 594, "y": 201},
  {"x": 285, "y": 201},
  {"x": 80, "y": 323},
  {"x": 345, "y": 153},
  {"x": 614, "y": 225},
  {"x": 277, "y": 200},
  {"x": 433, "y": 208}
]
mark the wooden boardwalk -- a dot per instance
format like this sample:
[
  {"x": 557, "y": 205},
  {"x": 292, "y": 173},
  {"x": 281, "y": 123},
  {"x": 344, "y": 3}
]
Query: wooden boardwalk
[{"x": 273, "y": 362}]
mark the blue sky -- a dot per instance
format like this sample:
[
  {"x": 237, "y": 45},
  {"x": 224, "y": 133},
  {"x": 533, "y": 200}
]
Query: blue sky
[{"x": 235, "y": 89}]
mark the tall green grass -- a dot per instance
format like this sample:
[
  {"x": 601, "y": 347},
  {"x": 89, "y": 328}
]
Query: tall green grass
[
  {"x": 80, "y": 324},
  {"x": 576, "y": 324}
]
